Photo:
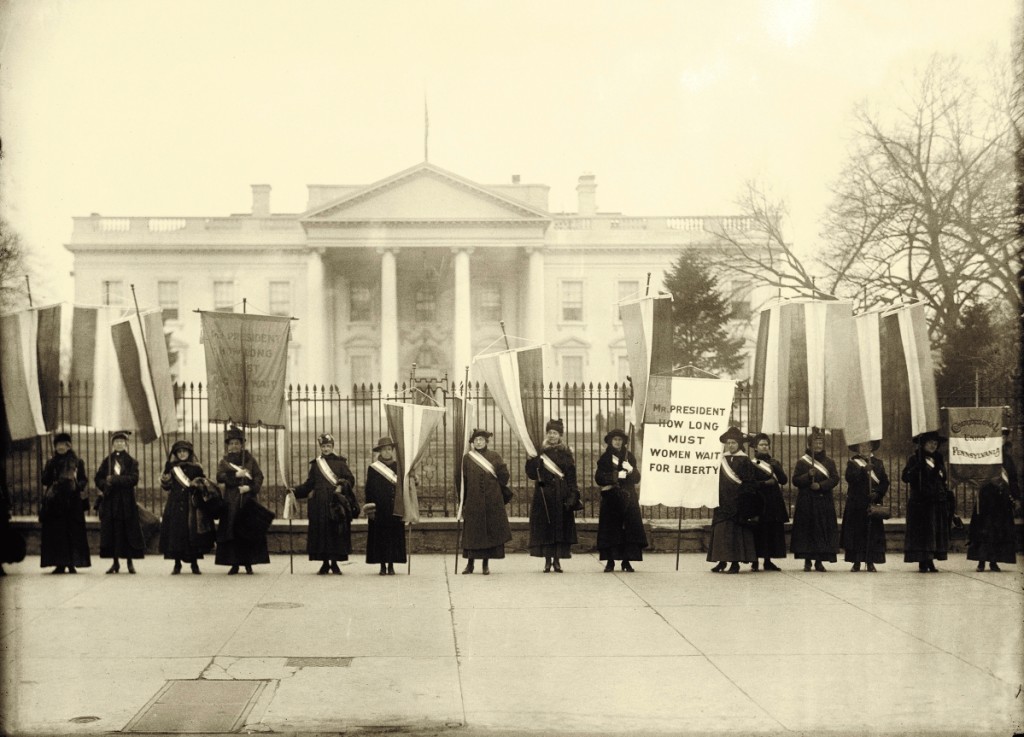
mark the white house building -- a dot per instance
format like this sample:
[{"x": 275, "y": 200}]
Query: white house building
[{"x": 420, "y": 267}]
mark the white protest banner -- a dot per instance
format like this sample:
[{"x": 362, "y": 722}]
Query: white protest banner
[
  {"x": 975, "y": 442},
  {"x": 682, "y": 454}
]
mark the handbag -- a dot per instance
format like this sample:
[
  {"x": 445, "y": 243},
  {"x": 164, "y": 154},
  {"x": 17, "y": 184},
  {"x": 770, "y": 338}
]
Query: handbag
[
  {"x": 506, "y": 494},
  {"x": 877, "y": 511}
]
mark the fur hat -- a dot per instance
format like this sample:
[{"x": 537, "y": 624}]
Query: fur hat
[
  {"x": 616, "y": 433},
  {"x": 478, "y": 433},
  {"x": 555, "y": 425},
  {"x": 383, "y": 443},
  {"x": 181, "y": 445},
  {"x": 325, "y": 438},
  {"x": 733, "y": 433},
  {"x": 62, "y": 437},
  {"x": 234, "y": 433}
]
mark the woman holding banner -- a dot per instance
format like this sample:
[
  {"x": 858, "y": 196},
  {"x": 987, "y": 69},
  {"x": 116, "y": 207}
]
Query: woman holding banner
[
  {"x": 732, "y": 539},
  {"x": 993, "y": 535},
  {"x": 556, "y": 498},
  {"x": 120, "y": 529},
  {"x": 187, "y": 528},
  {"x": 929, "y": 505},
  {"x": 863, "y": 534},
  {"x": 770, "y": 532},
  {"x": 385, "y": 533},
  {"x": 486, "y": 493},
  {"x": 332, "y": 507},
  {"x": 620, "y": 526},
  {"x": 241, "y": 477},
  {"x": 815, "y": 532}
]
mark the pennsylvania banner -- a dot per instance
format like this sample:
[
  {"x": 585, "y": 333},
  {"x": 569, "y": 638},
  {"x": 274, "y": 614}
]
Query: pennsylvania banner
[
  {"x": 147, "y": 382},
  {"x": 19, "y": 374},
  {"x": 975, "y": 442},
  {"x": 95, "y": 369},
  {"x": 410, "y": 426},
  {"x": 246, "y": 361},
  {"x": 515, "y": 381},
  {"x": 681, "y": 456},
  {"x": 806, "y": 368},
  {"x": 647, "y": 326}
]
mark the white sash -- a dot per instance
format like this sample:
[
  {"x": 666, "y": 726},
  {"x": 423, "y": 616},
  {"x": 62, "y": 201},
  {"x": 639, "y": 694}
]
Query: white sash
[
  {"x": 241, "y": 469},
  {"x": 864, "y": 464},
  {"x": 1005, "y": 476},
  {"x": 930, "y": 462},
  {"x": 766, "y": 467},
  {"x": 730, "y": 471},
  {"x": 482, "y": 461},
  {"x": 117, "y": 468},
  {"x": 384, "y": 471},
  {"x": 816, "y": 464},
  {"x": 180, "y": 476},
  {"x": 551, "y": 466},
  {"x": 325, "y": 469}
]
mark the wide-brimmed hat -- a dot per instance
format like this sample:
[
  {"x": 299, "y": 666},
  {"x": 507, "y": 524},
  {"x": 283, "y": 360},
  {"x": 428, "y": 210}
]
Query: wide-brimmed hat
[
  {"x": 733, "y": 433},
  {"x": 234, "y": 433},
  {"x": 875, "y": 445},
  {"x": 930, "y": 435},
  {"x": 383, "y": 443},
  {"x": 325, "y": 438},
  {"x": 555, "y": 425},
  {"x": 122, "y": 434},
  {"x": 181, "y": 445},
  {"x": 478, "y": 433},
  {"x": 616, "y": 433},
  {"x": 62, "y": 437}
]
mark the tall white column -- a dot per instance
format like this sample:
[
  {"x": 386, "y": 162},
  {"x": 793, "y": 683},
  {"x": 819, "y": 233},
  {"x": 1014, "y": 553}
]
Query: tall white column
[
  {"x": 463, "y": 323},
  {"x": 388, "y": 319},
  {"x": 316, "y": 320},
  {"x": 534, "y": 315}
]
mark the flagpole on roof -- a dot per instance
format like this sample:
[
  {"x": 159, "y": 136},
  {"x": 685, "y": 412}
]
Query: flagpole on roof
[
  {"x": 504, "y": 335},
  {"x": 28, "y": 288},
  {"x": 647, "y": 289},
  {"x": 149, "y": 368}
]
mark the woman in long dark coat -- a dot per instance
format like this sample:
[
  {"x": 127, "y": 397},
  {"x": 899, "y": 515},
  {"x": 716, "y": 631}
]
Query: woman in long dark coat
[
  {"x": 120, "y": 529},
  {"x": 815, "y": 532},
  {"x": 485, "y": 522},
  {"x": 620, "y": 526},
  {"x": 332, "y": 507},
  {"x": 770, "y": 531},
  {"x": 64, "y": 542},
  {"x": 929, "y": 504},
  {"x": 187, "y": 528},
  {"x": 385, "y": 533},
  {"x": 240, "y": 475},
  {"x": 556, "y": 498},
  {"x": 993, "y": 534},
  {"x": 732, "y": 540},
  {"x": 863, "y": 536}
]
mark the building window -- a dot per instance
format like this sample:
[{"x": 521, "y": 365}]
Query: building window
[
  {"x": 490, "y": 302},
  {"x": 741, "y": 309},
  {"x": 360, "y": 304},
  {"x": 627, "y": 290},
  {"x": 167, "y": 298},
  {"x": 572, "y": 301},
  {"x": 224, "y": 296},
  {"x": 426, "y": 303},
  {"x": 572, "y": 369},
  {"x": 113, "y": 292},
  {"x": 362, "y": 370},
  {"x": 281, "y": 298}
]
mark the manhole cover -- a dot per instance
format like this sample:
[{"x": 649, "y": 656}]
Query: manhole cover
[
  {"x": 184, "y": 707},
  {"x": 83, "y": 720},
  {"x": 278, "y": 605}
]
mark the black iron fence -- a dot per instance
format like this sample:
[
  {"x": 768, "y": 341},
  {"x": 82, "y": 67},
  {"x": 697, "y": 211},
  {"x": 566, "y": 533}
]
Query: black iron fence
[{"x": 356, "y": 420}]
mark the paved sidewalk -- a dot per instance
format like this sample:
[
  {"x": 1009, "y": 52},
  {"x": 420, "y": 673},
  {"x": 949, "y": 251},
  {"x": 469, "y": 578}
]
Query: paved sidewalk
[{"x": 584, "y": 652}]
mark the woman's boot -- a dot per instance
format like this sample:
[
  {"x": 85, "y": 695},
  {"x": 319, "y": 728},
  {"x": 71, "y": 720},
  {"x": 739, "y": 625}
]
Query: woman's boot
[
  {"x": 177, "y": 567},
  {"x": 115, "y": 567}
]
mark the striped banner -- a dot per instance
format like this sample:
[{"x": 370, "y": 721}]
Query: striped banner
[
  {"x": 147, "y": 382},
  {"x": 806, "y": 368},
  {"x": 870, "y": 361},
  {"x": 94, "y": 364},
  {"x": 465, "y": 422},
  {"x": 410, "y": 426},
  {"x": 907, "y": 374},
  {"x": 515, "y": 381},
  {"x": 19, "y": 374},
  {"x": 48, "y": 362},
  {"x": 647, "y": 325}
]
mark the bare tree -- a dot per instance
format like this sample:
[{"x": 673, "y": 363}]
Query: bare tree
[
  {"x": 923, "y": 209},
  {"x": 12, "y": 268}
]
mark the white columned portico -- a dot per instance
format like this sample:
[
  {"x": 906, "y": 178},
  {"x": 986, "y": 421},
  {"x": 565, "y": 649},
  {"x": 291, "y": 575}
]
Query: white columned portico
[
  {"x": 388, "y": 319},
  {"x": 535, "y": 295},
  {"x": 462, "y": 325},
  {"x": 316, "y": 319}
]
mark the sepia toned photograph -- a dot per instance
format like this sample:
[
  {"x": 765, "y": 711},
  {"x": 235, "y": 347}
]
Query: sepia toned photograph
[{"x": 511, "y": 368}]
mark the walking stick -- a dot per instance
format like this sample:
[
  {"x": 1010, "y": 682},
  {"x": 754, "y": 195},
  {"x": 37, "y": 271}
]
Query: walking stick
[{"x": 408, "y": 547}]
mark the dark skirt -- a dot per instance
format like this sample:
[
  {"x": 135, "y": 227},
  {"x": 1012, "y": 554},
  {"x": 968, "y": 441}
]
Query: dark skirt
[
  {"x": 815, "y": 532},
  {"x": 552, "y": 526},
  {"x": 993, "y": 534},
  {"x": 620, "y": 526},
  {"x": 180, "y": 538},
  {"x": 493, "y": 553},
  {"x": 385, "y": 541},
  {"x": 927, "y": 536},
  {"x": 731, "y": 542},
  {"x": 62, "y": 531},
  {"x": 120, "y": 529},
  {"x": 770, "y": 531},
  {"x": 862, "y": 537}
]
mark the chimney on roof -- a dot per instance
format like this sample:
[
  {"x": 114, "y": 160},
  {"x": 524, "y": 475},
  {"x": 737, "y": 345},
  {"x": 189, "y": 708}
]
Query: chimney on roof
[
  {"x": 515, "y": 179},
  {"x": 261, "y": 200},
  {"x": 587, "y": 192}
]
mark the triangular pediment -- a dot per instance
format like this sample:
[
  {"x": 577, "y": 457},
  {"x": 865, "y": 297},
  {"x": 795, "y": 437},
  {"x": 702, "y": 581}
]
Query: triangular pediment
[{"x": 424, "y": 193}]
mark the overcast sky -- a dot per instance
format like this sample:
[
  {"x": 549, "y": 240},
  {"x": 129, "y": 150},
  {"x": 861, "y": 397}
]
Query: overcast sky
[{"x": 175, "y": 108}]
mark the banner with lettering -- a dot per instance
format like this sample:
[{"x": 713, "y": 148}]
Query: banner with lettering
[
  {"x": 975, "y": 442},
  {"x": 682, "y": 455},
  {"x": 246, "y": 359}
]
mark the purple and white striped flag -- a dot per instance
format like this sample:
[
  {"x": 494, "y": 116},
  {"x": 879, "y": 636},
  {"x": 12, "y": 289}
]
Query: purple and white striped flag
[
  {"x": 147, "y": 381},
  {"x": 19, "y": 374},
  {"x": 515, "y": 380},
  {"x": 647, "y": 325},
  {"x": 410, "y": 426}
]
